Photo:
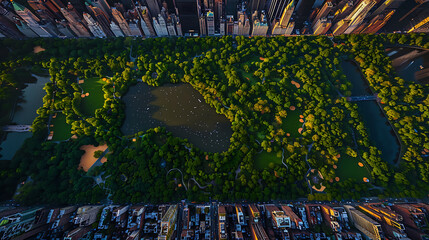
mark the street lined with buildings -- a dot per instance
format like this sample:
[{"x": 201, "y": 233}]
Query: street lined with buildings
[{"x": 217, "y": 221}]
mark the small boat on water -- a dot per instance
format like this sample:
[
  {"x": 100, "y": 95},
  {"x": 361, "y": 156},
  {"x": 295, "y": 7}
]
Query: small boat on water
[
  {"x": 199, "y": 100},
  {"x": 421, "y": 67}
]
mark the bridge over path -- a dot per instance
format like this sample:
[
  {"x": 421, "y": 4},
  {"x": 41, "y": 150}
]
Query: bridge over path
[{"x": 363, "y": 98}]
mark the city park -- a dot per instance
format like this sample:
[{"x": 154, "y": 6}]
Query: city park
[{"x": 261, "y": 113}]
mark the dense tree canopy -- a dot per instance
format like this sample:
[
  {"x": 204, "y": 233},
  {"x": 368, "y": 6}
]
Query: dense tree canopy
[{"x": 257, "y": 83}]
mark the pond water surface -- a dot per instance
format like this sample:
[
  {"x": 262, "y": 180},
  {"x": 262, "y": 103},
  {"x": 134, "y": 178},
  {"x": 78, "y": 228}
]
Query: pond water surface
[
  {"x": 25, "y": 113},
  {"x": 377, "y": 125},
  {"x": 181, "y": 110}
]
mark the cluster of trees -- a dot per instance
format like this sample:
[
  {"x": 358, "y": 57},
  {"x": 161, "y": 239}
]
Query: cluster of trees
[
  {"x": 256, "y": 83},
  {"x": 404, "y": 102}
]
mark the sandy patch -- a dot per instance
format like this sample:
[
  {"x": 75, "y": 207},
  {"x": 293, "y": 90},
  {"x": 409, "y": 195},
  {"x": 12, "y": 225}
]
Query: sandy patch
[
  {"x": 38, "y": 49},
  {"x": 88, "y": 159}
]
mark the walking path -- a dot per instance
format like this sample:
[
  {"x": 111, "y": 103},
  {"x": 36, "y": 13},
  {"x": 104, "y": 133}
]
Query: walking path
[{"x": 183, "y": 182}]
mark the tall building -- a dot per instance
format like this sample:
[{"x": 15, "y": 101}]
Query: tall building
[
  {"x": 63, "y": 28},
  {"x": 147, "y": 22},
  {"x": 122, "y": 23},
  {"x": 134, "y": 28},
  {"x": 321, "y": 26},
  {"x": 360, "y": 12},
  {"x": 256, "y": 5},
  {"x": 41, "y": 10},
  {"x": 343, "y": 9},
  {"x": 102, "y": 19},
  {"x": 229, "y": 25},
  {"x": 210, "y": 23},
  {"x": 260, "y": 25},
  {"x": 168, "y": 222},
  {"x": 171, "y": 27},
  {"x": 276, "y": 9},
  {"x": 103, "y": 6},
  {"x": 378, "y": 22},
  {"x": 32, "y": 21},
  {"x": 222, "y": 24},
  {"x": 302, "y": 11},
  {"x": 25, "y": 29},
  {"x": 243, "y": 23},
  {"x": 222, "y": 222},
  {"x": 290, "y": 28},
  {"x": 9, "y": 29},
  {"x": 116, "y": 29},
  {"x": 203, "y": 27},
  {"x": 324, "y": 11},
  {"x": 160, "y": 26},
  {"x": 340, "y": 27},
  {"x": 178, "y": 25},
  {"x": 189, "y": 18},
  {"x": 76, "y": 24},
  {"x": 365, "y": 224},
  {"x": 153, "y": 7},
  {"x": 287, "y": 14},
  {"x": 93, "y": 26}
]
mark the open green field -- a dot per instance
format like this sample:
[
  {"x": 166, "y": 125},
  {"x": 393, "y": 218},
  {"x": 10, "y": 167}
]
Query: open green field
[
  {"x": 62, "y": 130},
  {"x": 263, "y": 160},
  {"x": 95, "y": 100},
  {"x": 291, "y": 123},
  {"x": 347, "y": 167}
]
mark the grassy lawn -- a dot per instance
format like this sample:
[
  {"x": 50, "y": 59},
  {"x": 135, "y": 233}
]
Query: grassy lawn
[
  {"x": 61, "y": 128},
  {"x": 263, "y": 159},
  {"x": 95, "y": 99},
  {"x": 348, "y": 168},
  {"x": 291, "y": 123},
  {"x": 252, "y": 79}
]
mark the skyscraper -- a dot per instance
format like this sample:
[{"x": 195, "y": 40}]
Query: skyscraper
[
  {"x": 321, "y": 26},
  {"x": 40, "y": 8},
  {"x": 358, "y": 14},
  {"x": 93, "y": 26},
  {"x": 203, "y": 27},
  {"x": 116, "y": 29},
  {"x": 9, "y": 29},
  {"x": 103, "y": 6},
  {"x": 210, "y": 23},
  {"x": 378, "y": 22},
  {"x": 287, "y": 14},
  {"x": 171, "y": 29},
  {"x": 187, "y": 10},
  {"x": 260, "y": 25},
  {"x": 340, "y": 27},
  {"x": 243, "y": 23},
  {"x": 122, "y": 23},
  {"x": 76, "y": 24},
  {"x": 32, "y": 21},
  {"x": 324, "y": 11},
  {"x": 102, "y": 19},
  {"x": 153, "y": 7},
  {"x": 276, "y": 9},
  {"x": 147, "y": 21},
  {"x": 160, "y": 26}
]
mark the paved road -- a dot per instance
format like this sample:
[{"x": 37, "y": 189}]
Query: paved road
[{"x": 213, "y": 220}]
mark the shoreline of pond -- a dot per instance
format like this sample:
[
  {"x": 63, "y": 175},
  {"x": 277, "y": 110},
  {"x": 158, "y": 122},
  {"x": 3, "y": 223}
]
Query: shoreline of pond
[
  {"x": 179, "y": 108},
  {"x": 392, "y": 131}
]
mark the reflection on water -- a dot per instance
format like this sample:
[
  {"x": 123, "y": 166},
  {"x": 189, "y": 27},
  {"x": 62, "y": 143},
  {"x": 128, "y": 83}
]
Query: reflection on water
[
  {"x": 25, "y": 114},
  {"x": 378, "y": 127},
  {"x": 179, "y": 108}
]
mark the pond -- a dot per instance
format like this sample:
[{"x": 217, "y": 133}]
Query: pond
[
  {"x": 25, "y": 113},
  {"x": 181, "y": 110},
  {"x": 378, "y": 127}
]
